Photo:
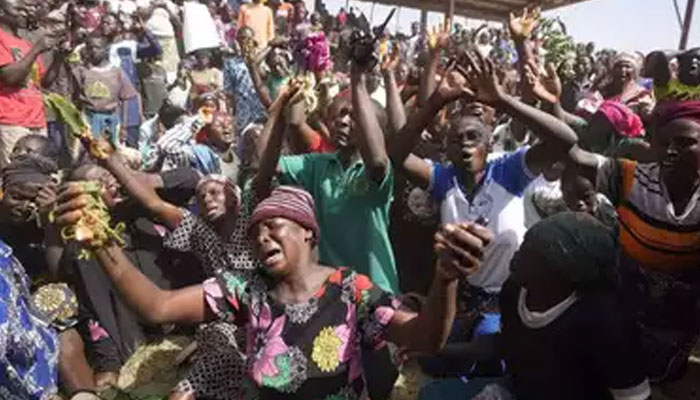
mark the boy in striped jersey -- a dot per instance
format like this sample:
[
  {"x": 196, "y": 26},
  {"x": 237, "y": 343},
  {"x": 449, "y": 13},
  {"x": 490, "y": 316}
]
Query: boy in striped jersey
[{"x": 659, "y": 235}]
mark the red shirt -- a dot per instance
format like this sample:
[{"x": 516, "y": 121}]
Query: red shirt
[
  {"x": 321, "y": 145},
  {"x": 21, "y": 105}
]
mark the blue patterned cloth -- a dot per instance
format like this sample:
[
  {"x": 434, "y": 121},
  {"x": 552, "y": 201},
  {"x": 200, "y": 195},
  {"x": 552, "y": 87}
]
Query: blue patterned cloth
[
  {"x": 28, "y": 346},
  {"x": 238, "y": 82}
]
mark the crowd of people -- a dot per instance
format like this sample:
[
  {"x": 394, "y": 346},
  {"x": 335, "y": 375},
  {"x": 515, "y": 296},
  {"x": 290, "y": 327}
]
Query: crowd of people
[{"x": 317, "y": 201}]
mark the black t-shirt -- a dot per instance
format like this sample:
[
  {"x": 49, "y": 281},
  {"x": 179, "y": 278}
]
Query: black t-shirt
[{"x": 583, "y": 354}]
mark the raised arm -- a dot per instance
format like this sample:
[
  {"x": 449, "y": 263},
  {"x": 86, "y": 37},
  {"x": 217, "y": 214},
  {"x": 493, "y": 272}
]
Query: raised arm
[
  {"x": 58, "y": 62},
  {"x": 521, "y": 28},
  {"x": 370, "y": 136},
  {"x": 258, "y": 83},
  {"x": 270, "y": 142},
  {"x": 438, "y": 40},
  {"x": 556, "y": 137},
  {"x": 155, "y": 305},
  {"x": 148, "y": 46},
  {"x": 395, "y": 108},
  {"x": 145, "y": 194},
  {"x": 16, "y": 73},
  {"x": 460, "y": 249},
  {"x": 452, "y": 86},
  {"x": 547, "y": 88}
]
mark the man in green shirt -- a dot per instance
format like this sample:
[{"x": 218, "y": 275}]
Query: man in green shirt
[{"x": 352, "y": 187}]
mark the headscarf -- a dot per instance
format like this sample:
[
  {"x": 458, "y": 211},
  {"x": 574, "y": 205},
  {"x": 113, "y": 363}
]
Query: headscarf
[
  {"x": 228, "y": 183},
  {"x": 29, "y": 169},
  {"x": 288, "y": 202},
  {"x": 574, "y": 245},
  {"x": 625, "y": 121},
  {"x": 668, "y": 111},
  {"x": 628, "y": 57}
]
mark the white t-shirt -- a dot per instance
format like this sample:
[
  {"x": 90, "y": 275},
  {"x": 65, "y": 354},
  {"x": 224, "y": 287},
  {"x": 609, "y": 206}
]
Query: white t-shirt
[
  {"x": 499, "y": 200},
  {"x": 541, "y": 200}
]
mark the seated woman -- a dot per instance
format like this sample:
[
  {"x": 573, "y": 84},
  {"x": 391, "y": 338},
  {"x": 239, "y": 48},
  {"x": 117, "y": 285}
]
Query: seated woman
[
  {"x": 111, "y": 331},
  {"x": 306, "y": 321},
  {"x": 562, "y": 336}
]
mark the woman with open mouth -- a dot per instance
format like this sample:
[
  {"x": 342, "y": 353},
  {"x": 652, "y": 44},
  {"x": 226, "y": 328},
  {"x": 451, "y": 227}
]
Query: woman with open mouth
[{"x": 306, "y": 323}]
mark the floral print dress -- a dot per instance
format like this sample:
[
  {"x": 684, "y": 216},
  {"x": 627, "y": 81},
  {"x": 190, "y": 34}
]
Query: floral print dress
[{"x": 310, "y": 350}]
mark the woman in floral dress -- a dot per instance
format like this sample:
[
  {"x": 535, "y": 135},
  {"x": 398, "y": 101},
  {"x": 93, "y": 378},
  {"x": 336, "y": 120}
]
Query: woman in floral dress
[{"x": 305, "y": 323}]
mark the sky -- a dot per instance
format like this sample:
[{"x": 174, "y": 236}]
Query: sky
[{"x": 632, "y": 25}]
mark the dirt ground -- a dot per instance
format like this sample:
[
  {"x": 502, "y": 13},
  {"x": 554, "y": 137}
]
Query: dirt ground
[{"x": 151, "y": 373}]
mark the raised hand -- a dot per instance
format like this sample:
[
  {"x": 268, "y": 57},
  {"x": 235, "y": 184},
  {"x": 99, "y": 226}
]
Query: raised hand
[
  {"x": 439, "y": 37},
  {"x": 460, "y": 249},
  {"x": 392, "y": 60},
  {"x": 453, "y": 85},
  {"x": 545, "y": 86},
  {"x": 481, "y": 75},
  {"x": 521, "y": 27}
]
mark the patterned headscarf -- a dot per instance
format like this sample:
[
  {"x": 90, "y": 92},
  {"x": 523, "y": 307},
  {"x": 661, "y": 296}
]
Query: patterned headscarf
[
  {"x": 625, "y": 121},
  {"x": 288, "y": 202}
]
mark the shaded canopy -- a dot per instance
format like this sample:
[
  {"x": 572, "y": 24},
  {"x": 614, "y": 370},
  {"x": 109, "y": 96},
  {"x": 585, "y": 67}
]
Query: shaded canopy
[{"x": 480, "y": 9}]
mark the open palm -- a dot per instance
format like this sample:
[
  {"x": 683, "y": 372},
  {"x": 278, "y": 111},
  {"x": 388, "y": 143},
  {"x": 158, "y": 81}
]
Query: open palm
[{"x": 521, "y": 27}]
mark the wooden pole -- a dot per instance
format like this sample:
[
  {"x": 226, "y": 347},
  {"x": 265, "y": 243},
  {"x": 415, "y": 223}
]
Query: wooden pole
[
  {"x": 687, "y": 22},
  {"x": 451, "y": 14},
  {"x": 424, "y": 21}
]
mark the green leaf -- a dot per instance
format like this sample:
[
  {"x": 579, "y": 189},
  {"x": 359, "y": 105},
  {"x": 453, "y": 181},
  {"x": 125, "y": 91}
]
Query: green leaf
[{"x": 66, "y": 112}]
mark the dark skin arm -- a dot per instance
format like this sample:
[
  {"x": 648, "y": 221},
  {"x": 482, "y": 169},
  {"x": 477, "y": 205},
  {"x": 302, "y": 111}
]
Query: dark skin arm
[
  {"x": 370, "y": 136},
  {"x": 521, "y": 27},
  {"x": 270, "y": 142},
  {"x": 394, "y": 105},
  {"x": 452, "y": 87},
  {"x": 301, "y": 133},
  {"x": 16, "y": 74},
  {"x": 141, "y": 190},
  {"x": 460, "y": 249},
  {"x": 438, "y": 41},
  {"x": 260, "y": 86},
  {"x": 168, "y": 213},
  {"x": 548, "y": 88},
  {"x": 155, "y": 305},
  {"x": 556, "y": 137},
  {"x": 57, "y": 63}
]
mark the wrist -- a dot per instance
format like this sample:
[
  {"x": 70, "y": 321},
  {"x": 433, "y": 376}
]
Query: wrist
[
  {"x": 436, "y": 101},
  {"x": 442, "y": 277}
]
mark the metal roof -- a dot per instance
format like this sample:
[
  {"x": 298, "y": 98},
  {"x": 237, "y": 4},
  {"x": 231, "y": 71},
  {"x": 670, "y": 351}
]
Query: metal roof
[{"x": 480, "y": 9}]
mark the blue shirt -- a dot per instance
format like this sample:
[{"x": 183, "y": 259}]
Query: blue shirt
[
  {"x": 28, "y": 346},
  {"x": 499, "y": 200}
]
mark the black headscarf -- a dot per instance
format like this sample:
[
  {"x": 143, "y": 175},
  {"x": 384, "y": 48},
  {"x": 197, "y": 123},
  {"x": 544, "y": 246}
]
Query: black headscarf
[{"x": 576, "y": 246}]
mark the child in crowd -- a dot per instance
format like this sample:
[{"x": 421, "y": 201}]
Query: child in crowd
[
  {"x": 205, "y": 77},
  {"x": 104, "y": 91}
]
